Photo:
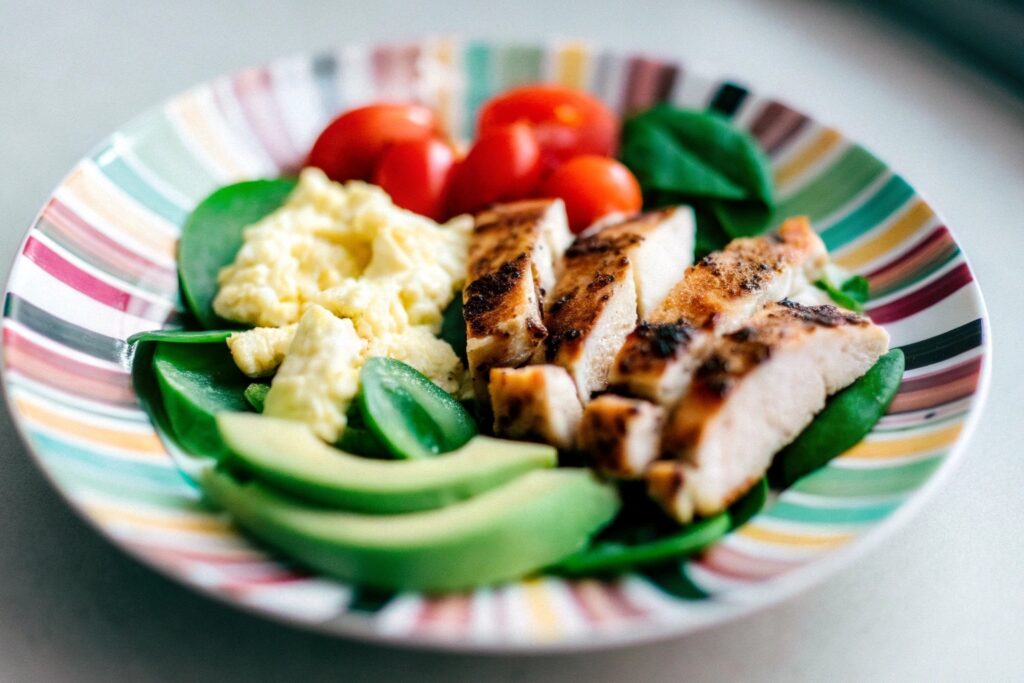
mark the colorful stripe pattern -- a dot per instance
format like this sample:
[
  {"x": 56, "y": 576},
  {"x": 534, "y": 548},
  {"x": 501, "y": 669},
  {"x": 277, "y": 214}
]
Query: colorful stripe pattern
[{"x": 98, "y": 265}]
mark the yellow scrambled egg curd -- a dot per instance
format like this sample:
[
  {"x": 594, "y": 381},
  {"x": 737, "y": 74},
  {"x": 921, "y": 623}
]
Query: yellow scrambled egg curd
[
  {"x": 320, "y": 374},
  {"x": 341, "y": 245},
  {"x": 337, "y": 275}
]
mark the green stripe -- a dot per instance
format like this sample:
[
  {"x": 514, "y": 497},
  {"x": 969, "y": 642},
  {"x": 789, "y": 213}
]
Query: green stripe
[
  {"x": 784, "y": 509},
  {"x": 892, "y": 195},
  {"x": 917, "y": 275},
  {"x": 518, "y": 64},
  {"x": 88, "y": 479},
  {"x": 478, "y": 83},
  {"x": 840, "y": 481},
  {"x": 943, "y": 346},
  {"x": 157, "y": 144},
  {"x": 853, "y": 172},
  {"x": 128, "y": 179}
]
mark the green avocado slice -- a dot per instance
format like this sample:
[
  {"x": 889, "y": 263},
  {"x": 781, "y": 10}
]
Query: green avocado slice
[
  {"x": 288, "y": 455},
  {"x": 505, "y": 533}
]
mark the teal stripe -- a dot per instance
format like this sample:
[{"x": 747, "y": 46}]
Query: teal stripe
[
  {"x": 848, "y": 176},
  {"x": 55, "y": 450},
  {"x": 793, "y": 512},
  {"x": 75, "y": 477},
  {"x": 839, "y": 481},
  {"x": 128, "y": 179},
  {"x": 157, "y": 144},
  {"x": 518, "y": 64},
  {"x": 478, "y": 85},
  {"x": 868, "y": 215}
]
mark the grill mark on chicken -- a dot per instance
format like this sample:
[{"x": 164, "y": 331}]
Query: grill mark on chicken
[{"x": 485, "y": 295}]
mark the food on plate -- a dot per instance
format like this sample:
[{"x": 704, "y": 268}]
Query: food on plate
[
  {"x": 621, "y": 436},
  {"x": 287, "y": 454},
  {"x": 504, "y": 533},
  {"x": 610, "y": 279},
  {"x": 724, "y": 432},
  {"x": 593, "y": 187},
  {"x": 536, "y": 402},
  {"x": 514, "y": 257},
  {"x": 367, "y": 350},
  {"x": 717, "y": 295}
]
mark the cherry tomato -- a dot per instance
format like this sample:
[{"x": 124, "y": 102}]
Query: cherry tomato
[
  {"x": 593, "y": 187},
  {"x": 350, "y": 146},
  {"x": 502, "y": 165},
  {"x": 416, "y": 173},
  {"x": 567, "y": 122}
]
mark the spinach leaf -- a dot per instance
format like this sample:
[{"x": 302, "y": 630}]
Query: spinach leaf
[
  {"x": 212, "y": 236},
  {"x": 181, "y": 336},
  {"x": 681, "y": 156},
  {"x": 256, "y": 395},
  {"x": 453, "y": 327},
  {"x": 847, "y": 418},
  {"x": 852, "y": 294},
  {"x": 197, "y": 381}
]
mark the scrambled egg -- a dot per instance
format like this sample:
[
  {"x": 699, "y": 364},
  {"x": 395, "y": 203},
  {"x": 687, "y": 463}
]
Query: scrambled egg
[
  {"x": 320, "y": 374},
  {"x": 345, "y": 255}
]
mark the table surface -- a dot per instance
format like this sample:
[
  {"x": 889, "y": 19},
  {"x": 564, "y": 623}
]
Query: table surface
[{"x": 941, "y": 599}]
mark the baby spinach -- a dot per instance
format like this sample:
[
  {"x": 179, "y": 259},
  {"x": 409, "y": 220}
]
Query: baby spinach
[
  {"x": 212, "y": 236},
  {"x": 256, "y": 395},
  {"x": 681, "y": 156},
  {"x": 453, "y": 327},
  {"x": 196, "y": 382},
  {"x": 181, "y": 336},
  {"x": 852, "y": 294},
  {"x": 847, "y": 418}
]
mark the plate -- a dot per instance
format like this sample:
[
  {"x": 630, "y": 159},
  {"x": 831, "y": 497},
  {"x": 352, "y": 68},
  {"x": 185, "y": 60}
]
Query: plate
[{"x": 98, "y": 265}]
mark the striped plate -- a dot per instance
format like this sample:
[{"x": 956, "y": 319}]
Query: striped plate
[{"x": 99, "y": 265}]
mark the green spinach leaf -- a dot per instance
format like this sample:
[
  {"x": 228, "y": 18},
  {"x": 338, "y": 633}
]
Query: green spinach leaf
[
  {"x": 212, "y": 236},
  {"x": 852, "y": 294}
]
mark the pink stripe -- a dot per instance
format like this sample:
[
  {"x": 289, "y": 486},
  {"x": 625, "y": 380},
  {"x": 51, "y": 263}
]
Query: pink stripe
[
  {"x": 729, "y": 562},
  {"x": 922, "y": 298},
  {"x": 394, "y": 71},
  {"x": 92, "y": 287},
  {"x": 253, "y": 90}
]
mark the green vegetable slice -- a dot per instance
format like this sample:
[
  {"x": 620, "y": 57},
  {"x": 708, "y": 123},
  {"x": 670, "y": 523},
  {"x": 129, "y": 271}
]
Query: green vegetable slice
[
  {"x": 196, "y": 382},
  {"x": 852, "y": 294},
  {"x": 847, "y": 418},
  {"x": 749, "y": 505},
  {"x": 256, "y": 395},
  {"x": 212, "y": 236},
  {"x": 410, "y": 415},
  {"x": 181, "y": 336}
]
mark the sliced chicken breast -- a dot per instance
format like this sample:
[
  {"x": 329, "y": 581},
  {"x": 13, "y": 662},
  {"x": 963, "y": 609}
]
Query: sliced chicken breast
[
  {"x": 514, "y": 258},
  {"x": 715, "y": 296},
  {"x": 758, "y": 388},
  {"x": 535, "y": 403},
  {"x": 611, "y": 277},
  {"x": 621, "y": 436}
]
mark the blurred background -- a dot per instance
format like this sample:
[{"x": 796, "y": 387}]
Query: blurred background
[{"x": 931, "y": 86}]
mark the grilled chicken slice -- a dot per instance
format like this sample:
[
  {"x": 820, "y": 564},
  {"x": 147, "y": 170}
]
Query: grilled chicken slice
[
  {"x": 621, "y": 436},
  {"x": 535, "y": 403},
  {"x": 610, "y": 278},
  {"x": 514, "y": 258},
  {"x": 715, "y": 296},
  {"x": 757, "y": 390}
]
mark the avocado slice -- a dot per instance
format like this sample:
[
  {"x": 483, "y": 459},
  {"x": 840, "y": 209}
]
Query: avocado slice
[
  {"x": 288, "y": 455},
  {"x": 505, "y": 533}
]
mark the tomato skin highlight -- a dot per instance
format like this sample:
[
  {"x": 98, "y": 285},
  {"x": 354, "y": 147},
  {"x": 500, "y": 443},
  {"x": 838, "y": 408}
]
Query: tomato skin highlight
[
  {"x": 416, "y": 174},
  {"x": 352, "y": 144},
  {"x": 593, "y": 187},
  {"x": 567, "y": 122},
  {"x": 501, "y": 166}
]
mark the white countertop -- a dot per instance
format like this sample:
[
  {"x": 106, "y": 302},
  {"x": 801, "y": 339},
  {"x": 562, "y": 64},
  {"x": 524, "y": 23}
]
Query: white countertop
[{"x": 942, "y": 599}]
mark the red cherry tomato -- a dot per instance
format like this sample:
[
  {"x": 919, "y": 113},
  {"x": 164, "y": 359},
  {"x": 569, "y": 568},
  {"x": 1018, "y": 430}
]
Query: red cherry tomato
[
  {"x": 593, "y": 187},
  {"x": 416, "y": 173},
  {"x": 350, "y": 146},
  {"x": 502, "y": 165},
  {"x": 567, "y": 122}
]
